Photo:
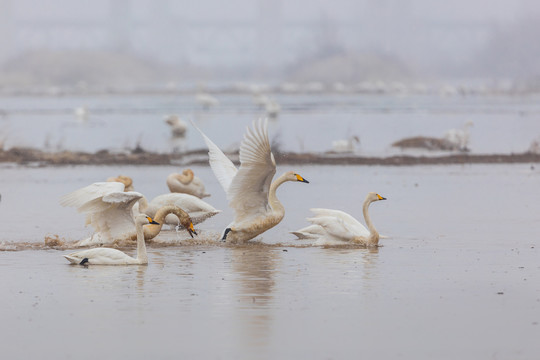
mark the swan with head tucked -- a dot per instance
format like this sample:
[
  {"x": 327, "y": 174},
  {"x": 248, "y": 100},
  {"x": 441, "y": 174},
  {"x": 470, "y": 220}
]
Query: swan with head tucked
[
  {"x": 108, "y": 256},
  {"x": 110, "y": 212},
  {"x": 186, "y": 183},
  {"x": 250, "y": 190},
  {"x": 126, "y": 180},
  {"x": 337, "y": 227}
]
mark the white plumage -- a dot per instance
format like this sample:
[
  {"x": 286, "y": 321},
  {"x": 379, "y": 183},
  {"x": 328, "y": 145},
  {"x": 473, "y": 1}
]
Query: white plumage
[
  {"x": 186, "y": 183},
  {"x": 330, "y": 227},
  {"x": 108, "y": 256},
  {"x": 250, "y": 190},
  {"x": 110, "y": 211}
]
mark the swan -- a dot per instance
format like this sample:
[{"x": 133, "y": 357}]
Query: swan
[
  {"x": 110, "y": 212},
  {"x": 126, "y": 180},
  {"x": 345, "y": 146},
  {"x": 206, "y": 100},
  {"x": 108, "y": 256},
  {"x": 459, "y": 138},
  {"x": 178, "y": 126},
  {"x": 272, "y": 108},
  {"x": 186, "y": 183},
  {"x": 250, "y": 190},
  {"x": 198, "y": 209},
  {"x": 335, "y": 226},
  {"x": 81, "y": 113}
]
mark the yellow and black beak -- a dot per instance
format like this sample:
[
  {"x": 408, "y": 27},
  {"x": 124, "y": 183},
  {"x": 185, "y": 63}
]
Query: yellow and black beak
[
  {"x": 380, "y": 197},
  {"x": 301, "y": 179},
  {"x": 151, "y": 221},
  {"x": 191, "y": 230}
]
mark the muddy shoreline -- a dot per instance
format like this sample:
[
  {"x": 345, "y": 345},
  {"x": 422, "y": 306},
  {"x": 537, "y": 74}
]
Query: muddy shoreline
[{"x": 35, "y": 157}]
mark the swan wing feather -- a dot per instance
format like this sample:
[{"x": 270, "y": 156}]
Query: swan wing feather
[
  {"x": 248, "y": 192},
  {"x": 91, "y": 192},
  {"x": 221, "y": 165},
  {"x": 350, "y": 222}
]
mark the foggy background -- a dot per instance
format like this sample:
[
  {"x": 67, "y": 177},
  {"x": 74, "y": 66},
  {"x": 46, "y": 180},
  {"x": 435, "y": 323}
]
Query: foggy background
[{"x": 158, "y": 42}]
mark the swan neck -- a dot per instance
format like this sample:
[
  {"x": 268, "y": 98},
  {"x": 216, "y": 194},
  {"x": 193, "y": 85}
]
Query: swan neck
[
  {"x": 373, "y": 234},
  {"x": 142, "y": 256},
  {"x": 185, "y": 177},
  {"x": 273, "y": 201}
]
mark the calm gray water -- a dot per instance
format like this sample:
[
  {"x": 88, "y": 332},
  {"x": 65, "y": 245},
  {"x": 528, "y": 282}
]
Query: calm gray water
[
  {"x": 456, "y": 279},
  {"x": 502, "y": 124}
]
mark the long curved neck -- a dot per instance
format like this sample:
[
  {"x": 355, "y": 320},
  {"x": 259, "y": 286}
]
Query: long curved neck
[
  {"x": 151, "y": 231},
  {"x": 373, "y": 234},
  {"x": 142, "y": 256},
  {"x": 185, "y": 177},
  {"x": 273, "y": 201}
]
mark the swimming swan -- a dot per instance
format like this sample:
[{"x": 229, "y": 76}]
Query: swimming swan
[
  {"x": 108, "y": 256},
  {"x": 186, "y": 183},
  {"x": 250, "y": 190},
  {"x": 109, "y": 210},
  {"x": 335, "y": 226}
]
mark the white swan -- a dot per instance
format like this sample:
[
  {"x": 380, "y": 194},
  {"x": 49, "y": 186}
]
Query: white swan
[
  {"x": 206, "y": 100},
  {"x": 459, "y": 138},
  {"x": 345, "y": 145},
  {"x": 186, "y": 183},
  {"x": 126, "y": 180},
  {"x": 272, "y": 108},
  {"x": 337, "y": 227},
  {"x": 108, "y": 256},
  {"x": 178, "y": 127},
  {"x": 250, "y": 190},
  {"x": 81, "y": 114},
  {"x": 110, "y": 212},
  {"x": 198, "y": 209}
]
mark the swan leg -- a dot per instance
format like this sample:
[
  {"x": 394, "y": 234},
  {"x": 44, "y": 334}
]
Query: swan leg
[{"x": 227, "y": 230}]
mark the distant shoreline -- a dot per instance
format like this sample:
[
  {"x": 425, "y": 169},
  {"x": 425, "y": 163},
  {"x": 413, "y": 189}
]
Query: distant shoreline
[{"x": 35, "y": 157}]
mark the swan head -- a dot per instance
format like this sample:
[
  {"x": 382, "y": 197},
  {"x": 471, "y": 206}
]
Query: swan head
[
  {"x": 143, "y": 219},
  {"x": 292, "y": 176},
  {"x": 372, "y": 196}
]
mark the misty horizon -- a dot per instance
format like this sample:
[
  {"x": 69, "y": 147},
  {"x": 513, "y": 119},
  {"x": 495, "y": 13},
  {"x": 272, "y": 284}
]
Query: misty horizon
[{"x": 105, "y": 40}]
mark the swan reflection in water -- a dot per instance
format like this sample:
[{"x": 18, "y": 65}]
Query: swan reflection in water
[{"x": 254, "y": 266}]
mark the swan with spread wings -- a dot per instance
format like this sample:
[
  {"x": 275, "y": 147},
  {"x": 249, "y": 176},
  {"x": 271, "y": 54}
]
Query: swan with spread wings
[{"x": 250, "y": 190}]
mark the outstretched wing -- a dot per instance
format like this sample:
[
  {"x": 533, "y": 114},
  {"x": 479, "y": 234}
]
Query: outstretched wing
[
  {"x": 97, "y": 190},
  {"x": 108, "y": 210},
  {"x": 248, "y": 191},
  {"x": 221, "y": 165}
]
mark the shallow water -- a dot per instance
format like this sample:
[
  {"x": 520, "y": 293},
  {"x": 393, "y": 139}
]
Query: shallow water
[
  {"x": 457, "y": 279},
  {"x": 307, "y": 123}
]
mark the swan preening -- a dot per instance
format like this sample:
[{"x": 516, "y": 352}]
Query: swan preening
[
  {"x": 108, "y": 256},
  {"x": 110, "y": 212},
  {"x": 186, "y": 183},
  {"x": 250, "y": 190},
  {"x": 337, "y": 227}
]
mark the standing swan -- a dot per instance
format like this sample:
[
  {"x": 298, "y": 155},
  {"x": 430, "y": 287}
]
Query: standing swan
[
  {"x": 108, "y": 256},
  {"x": 186, "y": 183},
  {"x": 250, "y": 190},
  {"x": 110, "y": 212},
  {"x": 335, "y": 226}
]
